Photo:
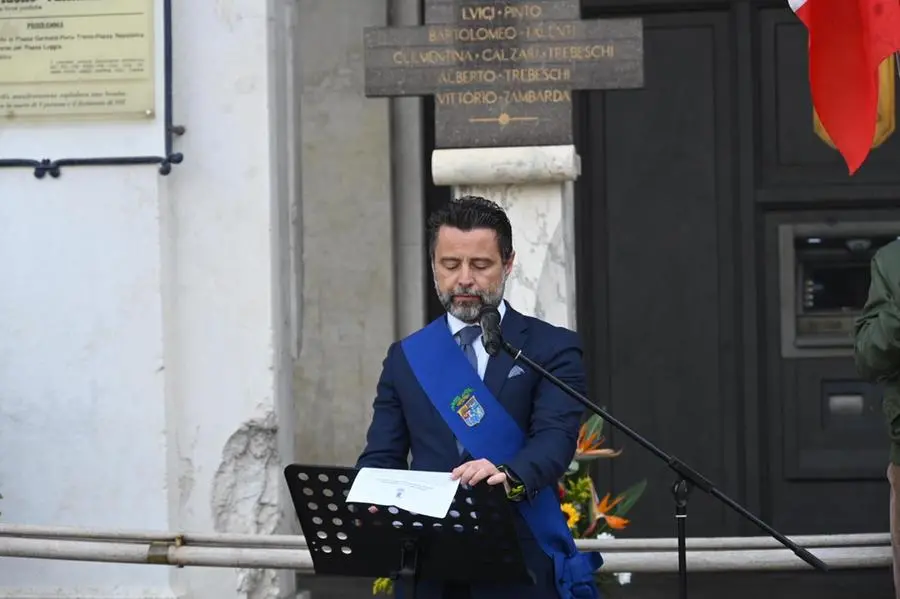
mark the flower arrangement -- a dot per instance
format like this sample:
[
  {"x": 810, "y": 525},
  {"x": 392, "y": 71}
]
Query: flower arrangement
[
  {"x": 587, "y": 515},
  {"x": 590, "y": 516}
]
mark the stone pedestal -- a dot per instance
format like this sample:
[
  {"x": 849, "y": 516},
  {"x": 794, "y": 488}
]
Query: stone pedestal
[{"x": 535, "y": 186}]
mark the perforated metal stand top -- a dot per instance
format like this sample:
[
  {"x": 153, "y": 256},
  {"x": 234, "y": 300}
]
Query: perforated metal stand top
[{"x": 476, "y": 542}]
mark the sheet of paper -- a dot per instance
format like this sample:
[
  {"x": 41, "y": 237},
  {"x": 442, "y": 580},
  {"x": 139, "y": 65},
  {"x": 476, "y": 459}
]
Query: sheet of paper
[{"x": 426, "y": 493}]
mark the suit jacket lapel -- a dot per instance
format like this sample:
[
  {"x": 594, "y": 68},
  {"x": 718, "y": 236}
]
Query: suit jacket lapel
[{"x": 514, "y": 328}]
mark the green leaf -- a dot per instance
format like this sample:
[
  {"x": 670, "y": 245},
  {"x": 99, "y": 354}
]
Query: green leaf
[
  {"x": 593, "y": 427},
  {"x": 631, "y": 495}
]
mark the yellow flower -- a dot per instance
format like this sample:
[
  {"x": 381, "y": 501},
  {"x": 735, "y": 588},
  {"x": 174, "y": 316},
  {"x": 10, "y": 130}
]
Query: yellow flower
[
  {"x": 571, "y": 513},
  {"x": 382, "y": 586}
]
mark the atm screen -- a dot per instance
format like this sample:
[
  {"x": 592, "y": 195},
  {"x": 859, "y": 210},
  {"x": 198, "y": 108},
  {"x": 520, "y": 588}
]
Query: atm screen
[
  {"x": 835, "y": 271},
  {"x": 835, "y": 287},
  {"x": 825, "y": 272}
]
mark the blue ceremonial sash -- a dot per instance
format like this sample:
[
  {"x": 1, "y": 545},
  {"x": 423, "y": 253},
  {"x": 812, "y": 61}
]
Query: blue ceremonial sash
[{"x": 487, "y": 431}]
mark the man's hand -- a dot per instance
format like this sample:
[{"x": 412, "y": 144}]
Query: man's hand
[{"x": 472, "y": 473}]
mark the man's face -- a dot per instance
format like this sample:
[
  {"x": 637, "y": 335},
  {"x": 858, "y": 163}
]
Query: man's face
[{"x": 468, "y": 271}]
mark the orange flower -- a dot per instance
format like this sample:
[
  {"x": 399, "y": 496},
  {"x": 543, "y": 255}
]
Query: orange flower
[
  {"x": 590, "y": 439},
  {"x": 603, "y": 509}
]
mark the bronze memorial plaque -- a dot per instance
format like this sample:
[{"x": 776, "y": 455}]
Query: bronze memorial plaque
[
  {"x": 77, "y": 60},
  {"x": 503, "y": 73}
]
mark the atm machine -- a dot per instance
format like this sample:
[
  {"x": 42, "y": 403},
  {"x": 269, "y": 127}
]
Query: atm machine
[
  {"x": 824, "y": 282},
  {"x": 824, "y": 427}
]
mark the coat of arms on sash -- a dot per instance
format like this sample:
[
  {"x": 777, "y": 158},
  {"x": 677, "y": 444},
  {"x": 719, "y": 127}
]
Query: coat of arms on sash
[{"x": 466, "y": 405}]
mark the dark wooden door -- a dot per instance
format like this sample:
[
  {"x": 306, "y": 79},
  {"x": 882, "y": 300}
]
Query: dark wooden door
[
  {"x": 658, "y": 271},
  {"x": 823, "y": 465},
  {"x": 685, "y": 184}
]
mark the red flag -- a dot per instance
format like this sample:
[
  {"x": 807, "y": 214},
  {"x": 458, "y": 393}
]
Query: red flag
[{"x": 848, "y": 41}]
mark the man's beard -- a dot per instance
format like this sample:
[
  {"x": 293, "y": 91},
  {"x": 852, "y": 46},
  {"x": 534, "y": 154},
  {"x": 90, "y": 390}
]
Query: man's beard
[{"x": 468, "y": 312}]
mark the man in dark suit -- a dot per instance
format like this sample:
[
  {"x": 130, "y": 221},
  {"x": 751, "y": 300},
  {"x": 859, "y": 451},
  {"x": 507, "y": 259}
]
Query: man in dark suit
[{"x": 501, "y": 410}]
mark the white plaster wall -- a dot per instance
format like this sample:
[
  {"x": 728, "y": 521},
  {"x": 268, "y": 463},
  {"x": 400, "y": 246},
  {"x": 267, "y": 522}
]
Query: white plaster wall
[
  {"x": 144, "y": 332},
  {"x": 82, "y": 407}
]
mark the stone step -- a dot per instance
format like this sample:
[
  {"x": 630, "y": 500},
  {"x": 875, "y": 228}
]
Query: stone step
[{"x": 873, "y": 583}]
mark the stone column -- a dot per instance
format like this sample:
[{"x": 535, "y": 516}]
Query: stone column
[
  {"x": 347, "y": 297},
  {"x": 535, "y": 186}
]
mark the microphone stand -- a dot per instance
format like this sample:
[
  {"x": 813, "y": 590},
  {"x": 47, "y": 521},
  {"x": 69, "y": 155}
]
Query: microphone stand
[{"x": 687, "y": 477}]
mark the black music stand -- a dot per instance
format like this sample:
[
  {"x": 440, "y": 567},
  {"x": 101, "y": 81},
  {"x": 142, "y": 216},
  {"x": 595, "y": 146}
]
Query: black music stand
[{"x": 475, "y": 543}]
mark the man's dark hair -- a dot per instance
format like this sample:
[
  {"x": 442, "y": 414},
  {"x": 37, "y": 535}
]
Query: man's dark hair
[{"x": 472, "y": 212}]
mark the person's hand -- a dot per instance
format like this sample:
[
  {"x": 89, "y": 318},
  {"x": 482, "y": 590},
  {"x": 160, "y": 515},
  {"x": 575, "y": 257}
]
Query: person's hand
[{"x": 472, "y": 473}]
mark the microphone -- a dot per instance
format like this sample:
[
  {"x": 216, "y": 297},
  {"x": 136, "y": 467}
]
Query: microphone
[{"x": 491, "y": 337}]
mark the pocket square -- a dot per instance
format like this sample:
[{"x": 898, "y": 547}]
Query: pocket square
[{"x": 515, "y": 371}]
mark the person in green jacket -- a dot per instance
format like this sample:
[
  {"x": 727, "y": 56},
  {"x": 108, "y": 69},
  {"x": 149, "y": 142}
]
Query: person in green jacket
[{"x": 877, "y": 352}]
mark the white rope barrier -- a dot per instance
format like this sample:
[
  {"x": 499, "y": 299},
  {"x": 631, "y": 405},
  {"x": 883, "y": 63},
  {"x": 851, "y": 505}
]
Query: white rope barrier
[
  {"x": 157, "y": 553},
  {"x": 745, "y": 560},
  {"x": 290, "y": 552},
  {"x": 138, "y": 536},
  {"x": 735, "y": 543}
]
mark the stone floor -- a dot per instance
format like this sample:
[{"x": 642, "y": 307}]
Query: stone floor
[{"x": 848, "y": 584}]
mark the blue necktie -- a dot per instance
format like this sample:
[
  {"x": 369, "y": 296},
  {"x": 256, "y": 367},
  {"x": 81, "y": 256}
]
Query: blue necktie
[{"x": 466, "y": 338}]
